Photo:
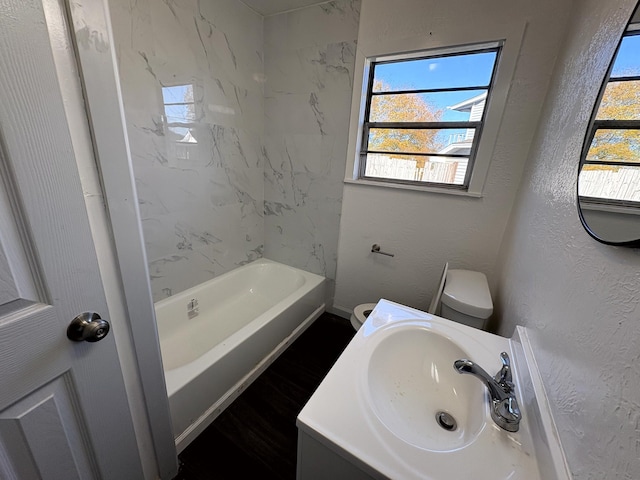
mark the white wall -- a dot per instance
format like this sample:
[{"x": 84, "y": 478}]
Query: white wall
[
  {"x": 201, "y": 217},
  {"x": 309, "y": 61},
  {"x": 579, "y": 298},
  {"x": 426, "y": 229}
]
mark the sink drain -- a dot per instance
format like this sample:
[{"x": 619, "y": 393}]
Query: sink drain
[{"x": 446, "y": 421}]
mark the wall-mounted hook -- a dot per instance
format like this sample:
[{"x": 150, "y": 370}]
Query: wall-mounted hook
[{"x": 375, "y": 248}]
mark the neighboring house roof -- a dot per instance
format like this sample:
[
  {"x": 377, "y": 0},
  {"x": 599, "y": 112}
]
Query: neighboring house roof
[
  {"x": 463, "y": 147},
  {"x": 474, "y": 106},
  {"x": 188, "y": 138},
  {"x": 467, "y": 105}
]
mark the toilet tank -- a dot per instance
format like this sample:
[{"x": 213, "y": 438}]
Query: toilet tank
[{"x": 466, "y": 298}]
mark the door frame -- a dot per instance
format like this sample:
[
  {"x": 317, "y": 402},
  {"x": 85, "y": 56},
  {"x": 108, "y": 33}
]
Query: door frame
[{"x": 92, "y": 35}]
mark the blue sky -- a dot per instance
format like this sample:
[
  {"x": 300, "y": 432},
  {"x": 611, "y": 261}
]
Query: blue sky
[
  {"x": 443, "y": 72},
  {"x": 473, "y": 70},
  {"x": 628, "y": 59}
]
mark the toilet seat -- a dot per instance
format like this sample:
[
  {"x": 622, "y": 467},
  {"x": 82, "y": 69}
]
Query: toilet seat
[{"x": 360, "y": 314}]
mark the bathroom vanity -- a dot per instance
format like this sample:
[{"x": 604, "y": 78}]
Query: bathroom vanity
[{"x": 393, "y": 406}]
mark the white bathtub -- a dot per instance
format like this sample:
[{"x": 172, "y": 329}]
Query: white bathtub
[{"x": 217, "y": 337}]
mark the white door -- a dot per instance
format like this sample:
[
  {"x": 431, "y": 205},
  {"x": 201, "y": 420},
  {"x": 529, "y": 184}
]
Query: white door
[{"x": 63, "y": 406}]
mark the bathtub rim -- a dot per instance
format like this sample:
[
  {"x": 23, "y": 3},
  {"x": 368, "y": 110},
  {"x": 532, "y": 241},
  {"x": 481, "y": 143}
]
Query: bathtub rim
[{"x": 190, "y": 292}]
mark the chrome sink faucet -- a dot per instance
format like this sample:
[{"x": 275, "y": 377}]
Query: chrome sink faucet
[{"x": 504, "y": 406}]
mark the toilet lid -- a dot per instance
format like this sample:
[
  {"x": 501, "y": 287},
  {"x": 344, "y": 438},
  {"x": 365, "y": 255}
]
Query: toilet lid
[{"x": 468, "y": 292}]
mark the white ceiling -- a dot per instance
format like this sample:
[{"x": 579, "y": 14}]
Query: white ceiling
[{"x": 271, "y": 7}]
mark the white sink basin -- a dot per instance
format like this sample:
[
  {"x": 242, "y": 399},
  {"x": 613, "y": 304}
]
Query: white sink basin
[
  {"x": 411, "y": 380},
  {"x": 374, "y": 414}
]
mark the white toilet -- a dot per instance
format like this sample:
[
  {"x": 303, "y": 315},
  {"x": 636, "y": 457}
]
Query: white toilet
[
  {"x": 462, "y": 296},
  {"x": 360, "y": 314}
]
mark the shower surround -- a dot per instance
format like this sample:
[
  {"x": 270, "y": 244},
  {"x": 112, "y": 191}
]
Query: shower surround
[
  {"x": 192, "y": 74},
  {"x": 309, "y": 63},
  {"x": 238, "y": 130}
]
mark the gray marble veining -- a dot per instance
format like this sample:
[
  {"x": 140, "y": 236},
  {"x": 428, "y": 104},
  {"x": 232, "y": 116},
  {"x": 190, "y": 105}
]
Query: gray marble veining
[
  {"x": 309, "y": 62},
  {"x": 238, "y": 128},
  {"x": 192, "y": 80}
]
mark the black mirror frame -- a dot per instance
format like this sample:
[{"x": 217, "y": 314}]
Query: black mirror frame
[{"x": 589, "y": 137}]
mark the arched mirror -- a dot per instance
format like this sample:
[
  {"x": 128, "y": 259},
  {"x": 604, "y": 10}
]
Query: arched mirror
[{"x": 609, "y": 176}]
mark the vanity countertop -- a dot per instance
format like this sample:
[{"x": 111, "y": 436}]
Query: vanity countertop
[{"x": 342, "y": 416}]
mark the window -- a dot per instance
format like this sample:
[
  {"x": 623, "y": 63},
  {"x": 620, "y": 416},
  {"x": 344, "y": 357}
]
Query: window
[
  {"x": 424, "y": 116},
  {"x": 610, "y": 167}
]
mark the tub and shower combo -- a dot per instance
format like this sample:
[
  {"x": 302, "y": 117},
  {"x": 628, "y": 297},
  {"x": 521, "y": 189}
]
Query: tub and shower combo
[{"x": 217, "y": 337}]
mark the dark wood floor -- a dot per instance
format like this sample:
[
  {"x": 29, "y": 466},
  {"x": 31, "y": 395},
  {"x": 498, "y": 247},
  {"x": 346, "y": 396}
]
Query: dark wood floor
[{"x": 256, "y": 437}]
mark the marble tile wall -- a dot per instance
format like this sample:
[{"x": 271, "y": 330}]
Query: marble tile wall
[
  {"x": 309, "y": 62},
  {"x": 192, "y": 79}
]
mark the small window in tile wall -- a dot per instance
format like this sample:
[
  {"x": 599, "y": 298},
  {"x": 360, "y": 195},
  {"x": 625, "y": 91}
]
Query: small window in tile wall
[
  {"x": 610, "y": 167},
  {"x": 424, "y": 116}
]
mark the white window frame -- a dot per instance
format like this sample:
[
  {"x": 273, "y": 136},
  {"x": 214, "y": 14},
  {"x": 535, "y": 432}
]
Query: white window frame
[{"x": 511, "y": 41}]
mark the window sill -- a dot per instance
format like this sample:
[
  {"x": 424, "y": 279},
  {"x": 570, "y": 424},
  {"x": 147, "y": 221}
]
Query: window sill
[
  {"x": 587, "y": 205},
  {"x": 419, "y": 188}
]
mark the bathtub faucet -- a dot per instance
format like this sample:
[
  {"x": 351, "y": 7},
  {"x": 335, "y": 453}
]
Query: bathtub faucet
[{"x": 504, "y": 406}]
